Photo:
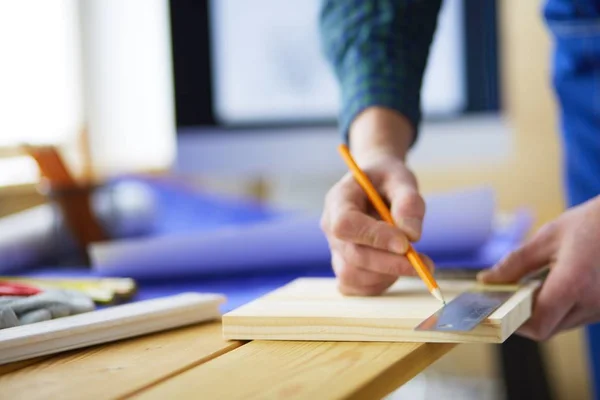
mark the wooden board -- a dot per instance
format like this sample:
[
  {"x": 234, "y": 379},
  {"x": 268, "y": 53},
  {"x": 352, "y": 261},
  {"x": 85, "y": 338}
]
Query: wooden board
[
  {"x": 11, "y": 367},
  {"x": 109, "y": 324},
  {"x": 118, "y": 369},
  {"x": 313, "y": 309},
  {"x": 302, "y": 370}
]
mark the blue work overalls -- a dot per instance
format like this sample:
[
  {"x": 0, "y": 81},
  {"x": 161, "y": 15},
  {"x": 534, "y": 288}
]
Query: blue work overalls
[{"x": 574, "y": 26}]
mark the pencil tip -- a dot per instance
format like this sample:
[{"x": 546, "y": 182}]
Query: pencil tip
[{"x": 437, "y": 293}]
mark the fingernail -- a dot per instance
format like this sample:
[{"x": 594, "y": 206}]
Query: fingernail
[
  {"x": 481, "y": 276},
  {"x": 398, "y": 245},
  {"x": 486, "y": 274},
  {"x": 412, "y": 227}
]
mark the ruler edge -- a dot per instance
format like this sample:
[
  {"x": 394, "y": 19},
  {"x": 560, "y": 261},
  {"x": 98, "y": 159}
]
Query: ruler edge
[
  {"x": 499, "y": 316},
  {"x": 487, "y": 320}
]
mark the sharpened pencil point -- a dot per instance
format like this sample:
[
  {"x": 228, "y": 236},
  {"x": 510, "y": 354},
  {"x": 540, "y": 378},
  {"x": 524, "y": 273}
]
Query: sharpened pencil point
[{"x": 437, "y": 293}]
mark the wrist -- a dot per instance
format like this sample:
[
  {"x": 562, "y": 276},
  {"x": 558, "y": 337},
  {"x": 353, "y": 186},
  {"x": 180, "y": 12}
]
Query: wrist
[{"x": 378, "y": 132}]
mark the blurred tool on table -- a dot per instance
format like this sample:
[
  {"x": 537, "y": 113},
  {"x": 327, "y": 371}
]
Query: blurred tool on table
[
  {"x": 101, "y": 290},
  {"x": 75, "y": 215},
  {"x": 22, "y": 305}
]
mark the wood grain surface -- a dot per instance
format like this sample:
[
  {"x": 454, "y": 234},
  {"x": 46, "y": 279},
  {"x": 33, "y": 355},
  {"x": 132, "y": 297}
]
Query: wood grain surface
[
  {"x": 313, "y": 309},
  {"x": 302, "y": 370},
  {"x": 118, "y": 369}
]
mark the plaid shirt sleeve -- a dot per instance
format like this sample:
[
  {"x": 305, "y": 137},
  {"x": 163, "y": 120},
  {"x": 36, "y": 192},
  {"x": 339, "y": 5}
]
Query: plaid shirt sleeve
[{"x": 378, "y": 50}]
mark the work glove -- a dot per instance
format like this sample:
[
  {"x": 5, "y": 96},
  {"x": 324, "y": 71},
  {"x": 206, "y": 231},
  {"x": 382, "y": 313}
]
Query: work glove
[{"x": 47, "y": 305}]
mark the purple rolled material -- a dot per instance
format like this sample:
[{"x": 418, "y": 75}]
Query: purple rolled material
[
  {"x": 456, "y": 223},
  {"x": 273, "y": 245}
]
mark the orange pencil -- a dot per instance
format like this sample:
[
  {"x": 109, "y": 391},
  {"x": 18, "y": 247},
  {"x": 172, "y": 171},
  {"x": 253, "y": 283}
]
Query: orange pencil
[{"x": 385, "y": 213}]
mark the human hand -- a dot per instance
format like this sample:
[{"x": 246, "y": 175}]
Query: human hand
[
  {"x": 368, "y": 253},
  {"x": 569, "y": 297}
]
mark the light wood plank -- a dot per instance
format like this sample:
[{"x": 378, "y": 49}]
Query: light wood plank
[
  {"x": 117, "y": 369},
  {"x": 6, "y": 368},
  {"x": 313, "y": 309},
  {"x": 302, "y": 370},
  {"x": 106, "y": 325}
]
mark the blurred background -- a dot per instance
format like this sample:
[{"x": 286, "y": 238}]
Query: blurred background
[{"x": 234, "y": 96}]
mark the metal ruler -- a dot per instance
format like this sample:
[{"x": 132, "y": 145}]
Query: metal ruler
[{"x": 466, "y": 311}]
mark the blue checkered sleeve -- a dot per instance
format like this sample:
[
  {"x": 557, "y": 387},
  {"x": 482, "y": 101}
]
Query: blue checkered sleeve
[{"x": 378, "y": 50}]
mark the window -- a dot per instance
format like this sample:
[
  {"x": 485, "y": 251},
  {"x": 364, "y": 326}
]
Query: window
[
  {"x": 91, "y": 77},
  {"x": 268, "y": 66},
  {"x": 40, "y": 99},
  {"x": 225, "y": 49}
]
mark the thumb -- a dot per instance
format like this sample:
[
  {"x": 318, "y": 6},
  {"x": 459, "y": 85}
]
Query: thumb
[
  {"x": 533, "y": 255},
  {"x": 408, "y": 210}
]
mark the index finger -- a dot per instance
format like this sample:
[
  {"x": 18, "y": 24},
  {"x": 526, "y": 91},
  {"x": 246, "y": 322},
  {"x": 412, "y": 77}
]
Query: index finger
[
  {"x": 555, "y": 299},
  {"x": 348, "y": 221}
]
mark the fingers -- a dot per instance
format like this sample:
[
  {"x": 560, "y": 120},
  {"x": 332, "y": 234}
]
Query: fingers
[
  {"x": 408, "y": 210},
  {"x": 368, "y": 253},
  {"x": 357, "y": 282},
  {"x": 373, "y": 260},
  {"x": 577, "y": 317},
  {"x": 356, "y": 227},
  {"x": 366, "y": 271},
  {"x": 407, "y": 205},
  {"x": 533, "y": 255},
  {"x": 555, "y": 300},
  {"x": 345, "y": 219}
]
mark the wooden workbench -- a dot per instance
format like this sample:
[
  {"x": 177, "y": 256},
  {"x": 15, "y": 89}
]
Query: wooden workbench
[{"x": 196, "y": 363}]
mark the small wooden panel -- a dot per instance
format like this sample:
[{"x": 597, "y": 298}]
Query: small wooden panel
[
  {"x": 313, "y": 309},
  {"x": 302, "y": 370},
  {"x": 118, "y": 369}
]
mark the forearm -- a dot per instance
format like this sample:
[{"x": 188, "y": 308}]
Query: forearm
[{"x": 380, "y": 131}]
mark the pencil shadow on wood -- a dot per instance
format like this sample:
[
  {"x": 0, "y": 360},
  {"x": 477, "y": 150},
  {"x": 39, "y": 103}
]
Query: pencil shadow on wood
[{"x": 407, "y": 293}]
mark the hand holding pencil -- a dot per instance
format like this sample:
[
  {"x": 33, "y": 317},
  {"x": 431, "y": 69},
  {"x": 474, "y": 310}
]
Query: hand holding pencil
[
  {"x": 369, "y": 254},
  {"x": 382, "y": 209}
]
